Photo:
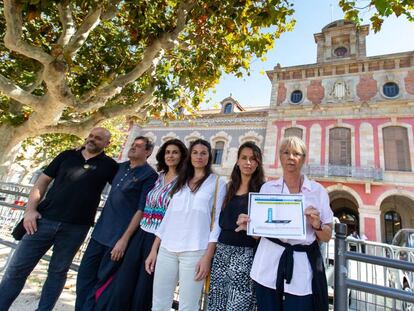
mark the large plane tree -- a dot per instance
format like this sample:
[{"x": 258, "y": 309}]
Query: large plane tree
[{"x": 66, "y": 66}]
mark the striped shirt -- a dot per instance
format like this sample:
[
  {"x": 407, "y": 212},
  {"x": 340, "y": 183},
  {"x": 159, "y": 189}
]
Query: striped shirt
[{"x": 156, "y": 204}]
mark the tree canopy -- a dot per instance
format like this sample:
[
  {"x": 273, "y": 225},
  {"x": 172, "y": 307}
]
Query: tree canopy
[
  {"x": 379, "y": 9},
  {"x": 67, "y": 66}
]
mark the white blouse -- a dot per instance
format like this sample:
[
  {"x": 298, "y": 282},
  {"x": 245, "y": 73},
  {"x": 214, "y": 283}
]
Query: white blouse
[
  {"x": 266, "y": 260},
  {"x": 186, "y": 223}
]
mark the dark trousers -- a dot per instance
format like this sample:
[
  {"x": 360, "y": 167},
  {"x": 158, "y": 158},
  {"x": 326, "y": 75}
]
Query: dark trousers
[
  {"x": 267, "y": 300},
  {"x": 94, "y": 270},
  {"x": 131, "y": 287},
  {"x": 65, "y": 239}
]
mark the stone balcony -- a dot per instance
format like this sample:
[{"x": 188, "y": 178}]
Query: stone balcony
[{"x": 369, "y": 173}]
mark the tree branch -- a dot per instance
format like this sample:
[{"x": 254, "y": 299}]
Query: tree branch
[
  {"x": 15, "y": 92},
  {"x": 13, "y": 37},
  {"x": 78, "y": 39},
  {"x": 36, "y": 83},
  {"x": 68, "y": 25},
  {"x": 101, "y": 115},
  {"x": 111, "y": 11},
  {"x": 57, "y": 87},
  {"x": 151, "y": 56}
]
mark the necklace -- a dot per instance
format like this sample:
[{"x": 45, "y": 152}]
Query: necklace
[{"x": 300, "y": 184}]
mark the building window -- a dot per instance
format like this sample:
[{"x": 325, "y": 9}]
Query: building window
[
  {"x": 165, "y": 139},
  {"x": 228, "y": 108},
  {"x": 392, "y": 222},
  {"x": 348, "y": 217},
  {"x": 294, "y": 131},
  {"x": 341, "y": 51},
  {"x": 396, "y": 149},
  {"x": 390, "y": 89},
  {"x": 340, "y": 146},
  {"x": 296, "y": 96},
  {"x": 218, "y": 152},
  {"x": 339, "y": 90}
]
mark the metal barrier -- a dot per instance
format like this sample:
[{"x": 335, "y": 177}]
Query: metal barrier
[
  {"x": 365, "y": 270},
  {"x": 13, "y": 198}
]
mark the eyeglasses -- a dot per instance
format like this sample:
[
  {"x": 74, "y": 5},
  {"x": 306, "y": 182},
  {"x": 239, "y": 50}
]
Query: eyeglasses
[{"x": 293, "y": 154}]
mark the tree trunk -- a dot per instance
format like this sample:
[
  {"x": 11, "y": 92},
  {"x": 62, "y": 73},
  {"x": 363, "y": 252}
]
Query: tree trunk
[{"x": 9, "y": 146}]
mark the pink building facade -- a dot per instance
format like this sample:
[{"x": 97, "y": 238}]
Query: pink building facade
[{"x": 356, "y": 115}]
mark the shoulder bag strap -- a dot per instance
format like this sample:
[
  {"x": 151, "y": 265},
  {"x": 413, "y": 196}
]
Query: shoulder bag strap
[{"x": 213, "y": 210}]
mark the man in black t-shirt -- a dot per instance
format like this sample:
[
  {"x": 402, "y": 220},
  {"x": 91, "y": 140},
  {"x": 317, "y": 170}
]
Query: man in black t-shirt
[{"x": 61, "y": 220}]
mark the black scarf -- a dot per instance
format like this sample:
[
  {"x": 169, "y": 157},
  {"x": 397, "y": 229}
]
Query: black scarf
[{"x": 285, "y": 271}]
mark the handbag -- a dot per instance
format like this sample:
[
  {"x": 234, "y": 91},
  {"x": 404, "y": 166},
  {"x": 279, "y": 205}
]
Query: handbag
[
  {"x": 213, "y": 212},
  {"x": 19, "y": 231}
]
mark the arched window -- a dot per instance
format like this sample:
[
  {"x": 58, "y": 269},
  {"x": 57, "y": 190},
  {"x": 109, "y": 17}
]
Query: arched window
[
  {"x": 392, "y": 222},
  {"x": 348, "y": 217},
  {"x": 340, "y": 146},
  {"x": 189, "y": 141},
  {"x": 218, "y": 152},
  {"x": 396, "y": 149},
  {"x": 294, "y": 131},
  {"x": 165, "y": 139},
  {"x": 228, "y": 108}
]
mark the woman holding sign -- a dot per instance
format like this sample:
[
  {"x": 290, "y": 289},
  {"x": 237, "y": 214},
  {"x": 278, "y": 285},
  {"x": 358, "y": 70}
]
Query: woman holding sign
[
  {"x": 231, "y": 287},
  {"x": 289, "y": 274}
]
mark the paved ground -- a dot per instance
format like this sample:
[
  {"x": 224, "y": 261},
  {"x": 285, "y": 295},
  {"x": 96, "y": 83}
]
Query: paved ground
[{"x": 28, "y": 299}]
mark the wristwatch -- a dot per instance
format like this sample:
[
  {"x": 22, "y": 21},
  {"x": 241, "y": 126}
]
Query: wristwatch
[{"x": 320, "y": 227}]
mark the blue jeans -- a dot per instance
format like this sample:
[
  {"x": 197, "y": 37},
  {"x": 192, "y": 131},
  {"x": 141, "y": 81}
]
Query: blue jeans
[
  {"x": 96, "y": 267},
  {"x": 267, "y": 300},
  {"x": 65, "y": 239}
]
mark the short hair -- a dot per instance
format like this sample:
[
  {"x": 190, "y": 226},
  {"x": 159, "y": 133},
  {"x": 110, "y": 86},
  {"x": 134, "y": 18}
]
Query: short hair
[
  {"x": 161, "y": 165},
  {"x": 104, "y": 131},
  {"x": 149, "y": 145},
  {"x": 293, "y": 142}
]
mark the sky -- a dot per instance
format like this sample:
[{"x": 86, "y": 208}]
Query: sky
[{"x": 298, "y": 47}]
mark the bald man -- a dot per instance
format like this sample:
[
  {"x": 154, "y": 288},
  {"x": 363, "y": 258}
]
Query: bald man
[{"x": 61, "y": 220}]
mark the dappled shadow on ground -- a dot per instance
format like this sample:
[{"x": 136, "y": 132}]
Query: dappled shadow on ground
[{"x": 29, "y": 298}]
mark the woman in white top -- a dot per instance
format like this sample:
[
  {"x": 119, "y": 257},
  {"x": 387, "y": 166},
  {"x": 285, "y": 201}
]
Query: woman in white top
[
  {"x": 289, "y": 274},
  {"x": 186, "y": 237}
]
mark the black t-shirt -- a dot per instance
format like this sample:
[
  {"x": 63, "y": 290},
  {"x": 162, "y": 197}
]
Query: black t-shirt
[
  {"x": 227, "y": 221},
  {"x": 77, "y": 186}
]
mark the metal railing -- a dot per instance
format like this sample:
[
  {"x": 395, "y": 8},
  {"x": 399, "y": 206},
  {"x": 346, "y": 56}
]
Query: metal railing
[
  {"x": 13, "y": 198},
  {"x": 344, "y": 171},
  {"x": 378, "y": 261}
]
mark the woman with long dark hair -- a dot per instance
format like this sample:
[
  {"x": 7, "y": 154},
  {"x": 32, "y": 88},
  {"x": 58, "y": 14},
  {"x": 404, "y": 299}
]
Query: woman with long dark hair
[
  {"x": 188, "y": 234},
  {"x": 231, "y": 287},
  {"x": 131, "y": 287}
]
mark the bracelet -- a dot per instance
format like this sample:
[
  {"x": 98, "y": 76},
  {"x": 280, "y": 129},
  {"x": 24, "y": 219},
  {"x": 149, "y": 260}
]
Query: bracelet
[{"x": 320, "y": 227}]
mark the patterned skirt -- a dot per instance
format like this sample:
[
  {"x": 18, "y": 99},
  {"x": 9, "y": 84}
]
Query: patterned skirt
[{"x": 231, "y": 288}]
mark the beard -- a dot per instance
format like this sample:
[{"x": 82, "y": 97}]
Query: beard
[{"x": 92, "y": 147}]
